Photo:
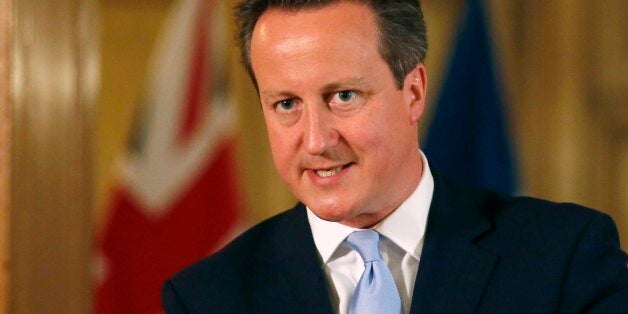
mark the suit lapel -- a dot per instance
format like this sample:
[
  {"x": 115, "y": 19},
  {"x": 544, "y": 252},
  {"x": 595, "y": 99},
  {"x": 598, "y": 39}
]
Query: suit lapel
[
  {"x": 453, "y": 270},
  {"x": 290, "y": 278}
]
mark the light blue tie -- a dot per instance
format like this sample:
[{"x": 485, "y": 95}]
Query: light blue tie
[{"x": 376, "y": 291}]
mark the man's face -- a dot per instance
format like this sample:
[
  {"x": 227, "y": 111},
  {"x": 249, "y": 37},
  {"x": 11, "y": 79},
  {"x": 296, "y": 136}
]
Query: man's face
[{"x": 342, "y": 135}]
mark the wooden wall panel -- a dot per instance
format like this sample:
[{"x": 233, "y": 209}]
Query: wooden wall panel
[
  {"x": 5, "y": 148},
  {"x": 55, "y": 74},
  {"x": 608, "y": 101},
  {"x": 564, "y": 68}
]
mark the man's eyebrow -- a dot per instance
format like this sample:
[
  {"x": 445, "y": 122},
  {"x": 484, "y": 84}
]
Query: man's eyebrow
[
  {"x": 275, "y": 94},
  {"x": 345, "y": 83}
]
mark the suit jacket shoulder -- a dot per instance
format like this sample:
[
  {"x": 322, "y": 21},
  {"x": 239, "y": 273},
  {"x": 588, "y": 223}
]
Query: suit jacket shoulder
[
  {"x": 518, "y": 255},
  {"x": 271, "y": 268},
  {"x": 566, "y": 252}
]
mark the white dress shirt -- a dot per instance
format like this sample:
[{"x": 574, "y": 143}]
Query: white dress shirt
[{"x": 400, "y": 245}]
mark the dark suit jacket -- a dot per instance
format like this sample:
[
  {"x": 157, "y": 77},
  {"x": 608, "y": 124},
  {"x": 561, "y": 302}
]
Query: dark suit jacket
[{"x": 483, "y": 253}]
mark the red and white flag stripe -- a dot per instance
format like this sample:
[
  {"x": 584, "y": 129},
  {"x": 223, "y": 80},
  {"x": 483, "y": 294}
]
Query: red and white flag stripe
[{"x": 177, "y": 197}]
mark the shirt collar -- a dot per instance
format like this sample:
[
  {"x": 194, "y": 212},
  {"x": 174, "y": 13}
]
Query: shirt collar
[{"x": 405, "y": 226}]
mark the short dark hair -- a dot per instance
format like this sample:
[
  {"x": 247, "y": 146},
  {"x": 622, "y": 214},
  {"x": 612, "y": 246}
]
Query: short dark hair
[{"x": 402, "y": 31}]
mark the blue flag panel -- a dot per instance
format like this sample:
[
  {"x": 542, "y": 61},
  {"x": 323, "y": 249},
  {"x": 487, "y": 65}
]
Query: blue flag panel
[{"x": 468, "y": 138}]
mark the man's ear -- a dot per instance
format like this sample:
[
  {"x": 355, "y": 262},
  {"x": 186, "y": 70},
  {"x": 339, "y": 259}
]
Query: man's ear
[{"x": 415, "y": 87}]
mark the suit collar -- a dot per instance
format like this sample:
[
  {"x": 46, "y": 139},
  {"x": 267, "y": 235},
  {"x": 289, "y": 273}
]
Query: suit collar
[{"x": 453, "y": 270}]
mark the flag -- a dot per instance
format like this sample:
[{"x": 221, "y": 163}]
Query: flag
[
  {"x": 177, "y": 198},
  {"x": 468, "y": 138}
]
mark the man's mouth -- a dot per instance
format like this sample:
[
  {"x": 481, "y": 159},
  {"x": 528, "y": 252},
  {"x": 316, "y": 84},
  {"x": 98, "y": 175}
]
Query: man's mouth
[
  {"x": 325, "y": 173},
  {"x": 328, "y": 173}
]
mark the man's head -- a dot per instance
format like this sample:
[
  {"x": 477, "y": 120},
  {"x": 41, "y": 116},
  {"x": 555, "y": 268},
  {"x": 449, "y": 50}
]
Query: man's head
[
  {"x": 342, "y": 128},
  {"x": 400, "y": 25}
]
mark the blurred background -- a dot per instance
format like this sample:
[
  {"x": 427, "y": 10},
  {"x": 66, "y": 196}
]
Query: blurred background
[{"x": 129, "y": 128}]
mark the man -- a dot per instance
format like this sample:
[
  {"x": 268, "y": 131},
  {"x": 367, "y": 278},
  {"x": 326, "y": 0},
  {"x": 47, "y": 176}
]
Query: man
[{"x": 342, "y": 86}]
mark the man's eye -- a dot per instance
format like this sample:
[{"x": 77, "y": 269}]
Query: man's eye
[
  {"x": 286, "y": 104},
  {"x": 343, "y": 96}
]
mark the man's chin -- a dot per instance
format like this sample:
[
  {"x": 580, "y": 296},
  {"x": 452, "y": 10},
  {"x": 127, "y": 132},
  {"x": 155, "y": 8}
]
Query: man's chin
[
  {"x": 346, "y": 218},
  {"x": 349, "y": 217},
  {"x": 328, "y": 216},
  {"x": 331, "y": 214}
]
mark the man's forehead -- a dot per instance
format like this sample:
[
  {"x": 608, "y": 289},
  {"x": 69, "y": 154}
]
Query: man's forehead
[{"x": 265, "y": 31}]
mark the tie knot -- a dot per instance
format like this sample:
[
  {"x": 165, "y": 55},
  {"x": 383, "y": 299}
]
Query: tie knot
[{"x": 366, "y": 243}]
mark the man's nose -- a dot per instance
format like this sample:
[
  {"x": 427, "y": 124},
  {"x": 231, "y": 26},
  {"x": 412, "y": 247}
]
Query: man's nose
[{"x": 319, "y": 133}]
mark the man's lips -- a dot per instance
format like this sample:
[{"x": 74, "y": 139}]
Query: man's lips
[{"x": 326, "y": 172}]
